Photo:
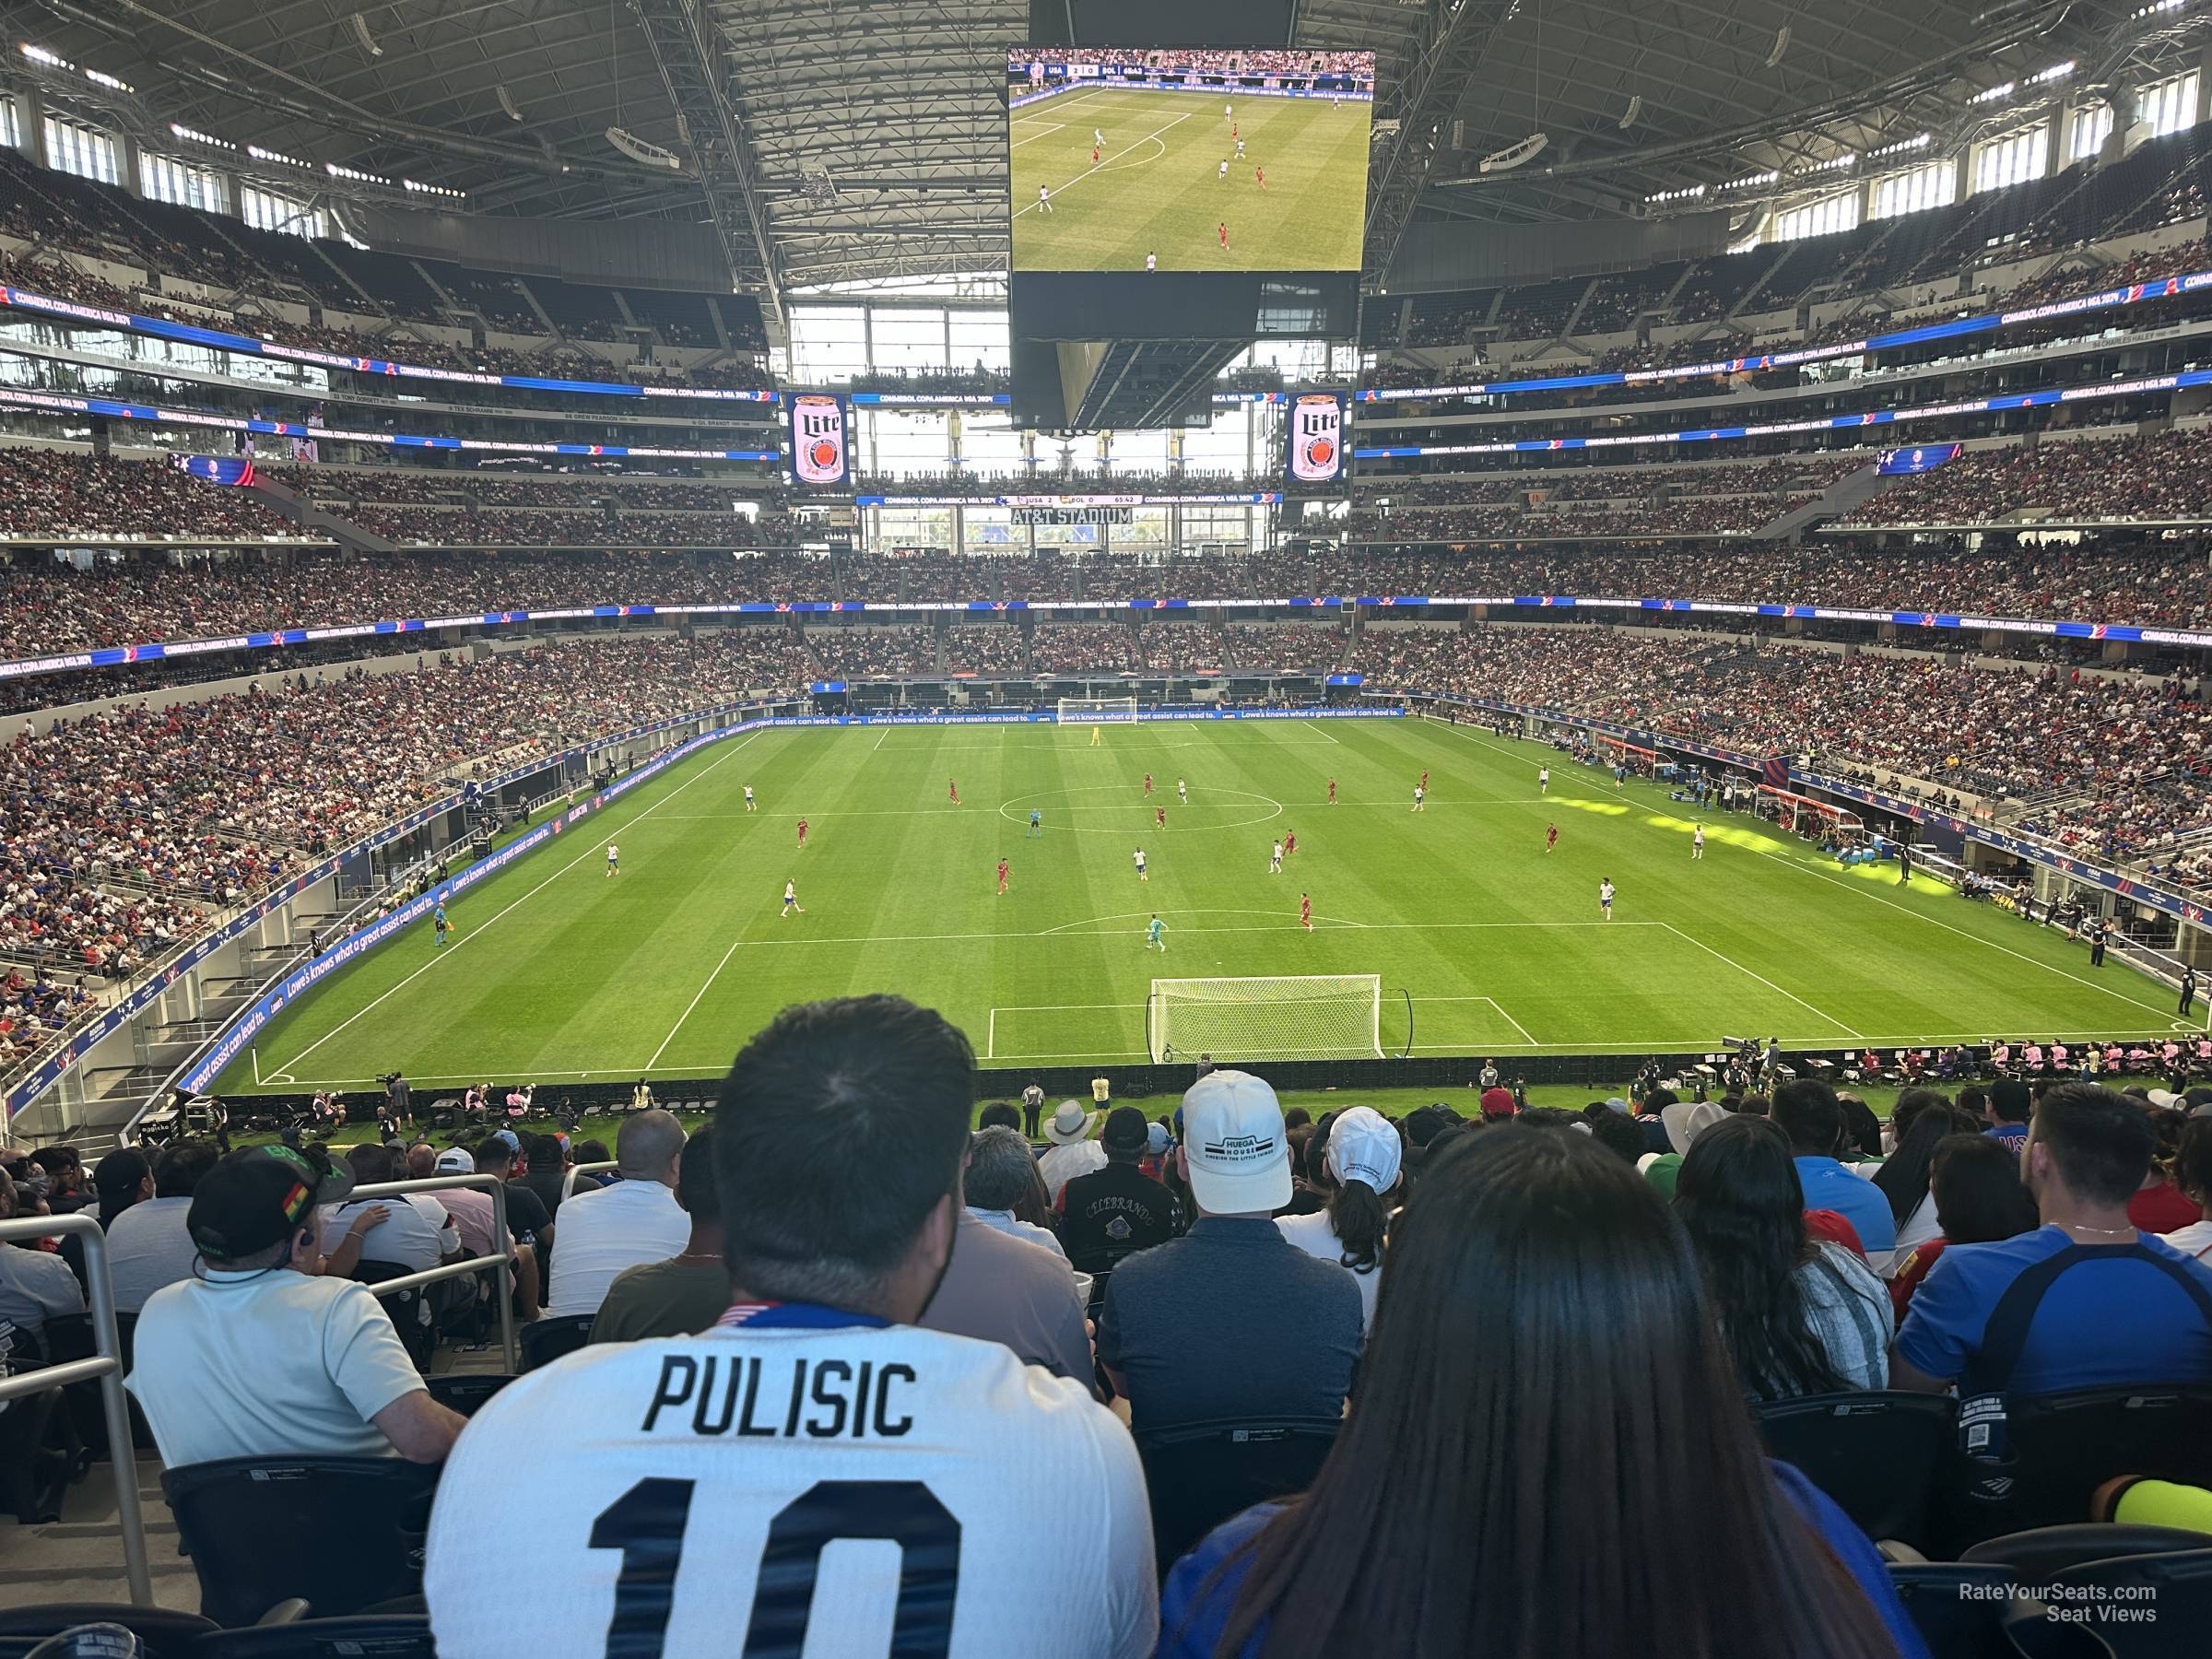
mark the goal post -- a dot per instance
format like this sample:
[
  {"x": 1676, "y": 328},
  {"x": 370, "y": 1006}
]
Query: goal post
[
  {"x": 1301, "y": 1017},
  {"x": 1098, "y": 710}
]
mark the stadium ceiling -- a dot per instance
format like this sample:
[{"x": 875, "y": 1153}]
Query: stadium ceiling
[{"x": 863, "y": 141}]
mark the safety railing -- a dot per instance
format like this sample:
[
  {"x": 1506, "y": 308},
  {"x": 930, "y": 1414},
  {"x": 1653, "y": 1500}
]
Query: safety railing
[
  {"x": 105, "y": 1368},
  {"x": 502, "y": 1256},
  {"x": 568, "y": 1181}
]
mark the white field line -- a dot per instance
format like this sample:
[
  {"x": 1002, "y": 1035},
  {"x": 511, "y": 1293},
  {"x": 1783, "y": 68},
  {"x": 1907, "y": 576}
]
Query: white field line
[
  {"x": 1108, "y": 162},
  {"x": 1762, "y": 978}
]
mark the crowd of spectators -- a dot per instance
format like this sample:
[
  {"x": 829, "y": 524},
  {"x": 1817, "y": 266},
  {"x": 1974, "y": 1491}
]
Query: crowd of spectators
[
  {"x": 53, "y": 494},
  {"x": 2160, "y": 475}
]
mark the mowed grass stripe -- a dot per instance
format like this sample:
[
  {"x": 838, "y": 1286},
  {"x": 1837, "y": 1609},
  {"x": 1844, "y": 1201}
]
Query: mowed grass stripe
[{"x": 1457, "y": 904}]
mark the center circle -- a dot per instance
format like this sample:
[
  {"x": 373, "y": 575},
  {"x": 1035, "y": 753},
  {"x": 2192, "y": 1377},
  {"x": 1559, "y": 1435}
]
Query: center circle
[{"x": 1017, "y": 811}]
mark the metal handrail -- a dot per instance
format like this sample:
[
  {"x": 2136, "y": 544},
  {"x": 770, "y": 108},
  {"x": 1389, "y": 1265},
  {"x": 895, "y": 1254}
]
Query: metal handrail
[
  {"x": 105, "y": 1368},
  {"x": 568, "y": 1181},
  {"x": 504, "y": 1255}
]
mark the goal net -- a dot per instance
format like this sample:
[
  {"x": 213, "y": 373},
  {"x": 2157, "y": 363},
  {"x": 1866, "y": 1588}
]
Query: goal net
[
  {"x": 1307, "y": 1016},
  {"x": 1098, "y": 710}
]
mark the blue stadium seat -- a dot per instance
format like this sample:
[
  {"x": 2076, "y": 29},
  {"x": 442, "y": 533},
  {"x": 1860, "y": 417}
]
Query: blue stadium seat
[
  {"x": 1198, "y": 1474},
  {"x": 2061, "y": 1448},
  {"x": 167, "y": 1632},
  {"x": 1877, "y": 1454}
]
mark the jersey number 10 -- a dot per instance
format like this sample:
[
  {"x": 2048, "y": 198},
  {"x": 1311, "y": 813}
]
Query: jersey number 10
[{"x": 646, "y": 1524}]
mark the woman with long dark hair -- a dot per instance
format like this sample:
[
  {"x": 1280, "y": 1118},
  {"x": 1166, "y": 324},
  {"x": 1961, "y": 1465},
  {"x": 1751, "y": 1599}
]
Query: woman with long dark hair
[
  {"x": 1921, "y": 1118},
  {"x": 1980, "y": 1199},
  {"x": 1546, "y": 1455},
  {"x": 1801, "y": 1315}
]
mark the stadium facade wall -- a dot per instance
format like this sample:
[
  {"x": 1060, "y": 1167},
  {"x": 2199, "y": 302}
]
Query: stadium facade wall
[
  {"x": 1453, "y": 254},
  {"x": 625, "y": 252}
]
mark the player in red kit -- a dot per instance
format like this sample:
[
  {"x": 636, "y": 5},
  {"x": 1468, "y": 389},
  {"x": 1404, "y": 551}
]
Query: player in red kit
[
  {"x": 1551, "y": 837},
  {"x": 1222, "y": 230},
  {"x": 1289, "y": 842},
  {"x": 1424, "y": 777},
  {"x": 953, "y": 789},
  {"x": 1261, "y": 174},
  {"x": 1159, "y": 817},
  {"x": 1094, "y": 158},
  {"x": 1332, "y": 792},
  {"x": 1147, "y": 783},
  {"x": 1002, "y": 877},
  {"x": 1305, "y": 912},
  {"x": 802, "y": 835}
]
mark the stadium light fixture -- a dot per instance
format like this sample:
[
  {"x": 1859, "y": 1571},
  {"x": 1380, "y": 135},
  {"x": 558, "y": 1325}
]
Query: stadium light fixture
[
  {"x": 368, "y": 41},
  {"x": 192, "y": 136},
  {"x": 354, "y": 173},
  {"x": 1514, "y": 155},
  {"x": 1749, "y": 180},
  {"x": 2058, "y": 72},
  {"x": 1834, "y": 163},
  {"x": 638, "y": 149},
  {"x": 1991, "y": 94},
  {"x": 437, "y": 190},
  {"x": 39, "y": 55},
  {"x": 1899, "y": 147},
  {"x": 1687, "y": 192},
  {"x": 276, "y": 157},
  {"x": 100, "y": 78}
]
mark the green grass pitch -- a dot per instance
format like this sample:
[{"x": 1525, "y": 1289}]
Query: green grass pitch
[
  {"x": 1156, "y": 186},
  {"x": 559, "y": 972}
]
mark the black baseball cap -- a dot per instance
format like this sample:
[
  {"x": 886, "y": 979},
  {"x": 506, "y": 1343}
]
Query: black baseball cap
[
  {"x": 1125, "y": 1131},
  {"x": 260, "y": 1197}
]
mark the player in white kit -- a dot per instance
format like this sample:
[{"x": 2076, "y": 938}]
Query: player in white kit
[
  {"x": 1697, "y": 842},
  {"x": 613, "y": 859},
  {"x": 1542, "y": 779}
]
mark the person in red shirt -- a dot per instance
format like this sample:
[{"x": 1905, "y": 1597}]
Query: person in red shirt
[
  {"x": 953, "y": 789},
  {"x": 1002, "y": 877},
  {"x": 1147, "y": 783},
  {"x": 1424, "y": 777},
  {"x": 802, "y": 835},
  {"x": 1261, "y": 174},
  {"x": 1551, "y": 837},
  {"x": 1159, "y": 817},
  {"x": 1305, "y": 912},
  {"x": 1222, "y": 230},
  {"x": 1094, "y": 155},
  {"x": 1289, "y": 842},
  {"x": 1332, "y": 792}
]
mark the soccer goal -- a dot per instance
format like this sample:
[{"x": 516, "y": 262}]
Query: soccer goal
[
  {"x": 1304, "y": 1017},
  {"x": 1098, "y": 710}
]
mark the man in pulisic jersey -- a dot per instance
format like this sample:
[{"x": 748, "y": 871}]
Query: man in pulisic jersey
[{"x": 814, "y": 1475}]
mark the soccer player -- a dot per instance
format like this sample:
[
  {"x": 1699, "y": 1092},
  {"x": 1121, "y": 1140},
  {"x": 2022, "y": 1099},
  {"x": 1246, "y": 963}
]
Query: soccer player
[
  {"x": 1152, "y": 939},
  {"x": 1424, "y": 777},
  {"x": 1551, "y": 837},
  {"x": 1098, "y": 737},
  {"x": 439, "y": 922},
  {"x": 790, "y": 899},
  {"x": 1001, "y": 878},
  {"x": 1159, "y": 817},
  {"x": 1697, "y": 842},
  {"x": 802, "y": 835},
  {"x": 1151, "y": 262},
  {"x": 1239, "y": 149},
  {"x": 1259, "y": 173},
  {"x": 1222, "y": 177},
  {"x": 953, "y": 789},
  {"x": 1182, "y": 792},
  {"x": 750, "y": 805},
  {"x": 1305, "y": 912},
  {"x": 1036, "y": 820},
  {"x": 1420, "y": 794},
  {"x": 613, "y": 859},
  {"x": 1229, "y": 115},
  {"x": 1094, "y": 156},
  {"x": 1289, "y": 842},
  {"x": 1275, "y": 858},
  {"x": 1604, "y": 896},
  {"x": 1222, "y": 230},
  {"x": 1147, "y": 783},
  {"x": 1097, "y": 136},
  {"x": 1044, "y": 199},
  {"x": 1542, "y": 779},
  {"x": 1140, "y": 865},
  {"x": 1332, "y": 792}
]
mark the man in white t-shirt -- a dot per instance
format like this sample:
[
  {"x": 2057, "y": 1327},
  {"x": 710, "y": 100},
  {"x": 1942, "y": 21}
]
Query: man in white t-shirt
[
  {"x": 417, "y": 1236},
  {"x": 815, "y": 1474},
  {"x": 147, "y": 1244},
  {"x": 630, "y": 1223},
  {"x": 262, "y": 1355}
]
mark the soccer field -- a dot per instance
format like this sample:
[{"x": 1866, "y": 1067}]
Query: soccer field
[
  {"x": 1156, "y": 186},
  {"x": 559, "y": 972}
]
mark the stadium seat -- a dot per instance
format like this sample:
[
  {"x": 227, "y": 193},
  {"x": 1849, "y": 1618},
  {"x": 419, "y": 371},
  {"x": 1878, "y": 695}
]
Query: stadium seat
[
  {"x": 35, "y": 1462},
  {"x": 464, "y": 1391},
  {"x": 167, "y": 1632},
  {"x": 2173, "y": 1588},
  {"x": 1198, "y": 1474},
  {"x": 363, "y": 1636},
  {"x": 262, "y": 1530},
  {"x": 2063, "y": 1447},
  {"x": 410, "y": 1310},
  {"x": 1966, "y": 1611},
  {"x": 2036, "y": 1555},
  {"x": 546, "y": 1340},
  {"x": 1877, "y": 1454}
]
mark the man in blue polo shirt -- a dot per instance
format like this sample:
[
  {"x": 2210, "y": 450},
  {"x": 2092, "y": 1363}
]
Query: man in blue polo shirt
[
  {"x": 2085, "y": 1301},
  {"x": 2007, "y": 1110},
  {"x": 1807, "y": 1111}
]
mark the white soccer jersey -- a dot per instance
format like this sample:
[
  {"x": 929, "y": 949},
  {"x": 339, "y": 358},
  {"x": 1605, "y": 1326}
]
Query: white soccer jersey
[
  {"x": 612, "y": 853},
  {"x": 840, "y": 1494}
]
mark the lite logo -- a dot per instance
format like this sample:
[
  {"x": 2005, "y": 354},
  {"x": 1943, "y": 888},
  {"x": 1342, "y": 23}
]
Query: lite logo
[
  {"x": 817, "y": 440},
  {"x": 1317, "y": 438}
]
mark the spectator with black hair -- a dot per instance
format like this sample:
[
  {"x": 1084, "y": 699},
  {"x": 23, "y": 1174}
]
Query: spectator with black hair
[
  {"x": 1113, "y": 1212},
  {"x": 2008, "y": 1106},
  {"x": 1974, "y": 1185},
  {"x": 814, "y": 1412},
  {"x": 2107, "y": 1307},
  {"x": 1231, "y": 1320},
  {"x": 1547, "y": 1455},
  {"x": 634, "y": 1222},
  {"x": 418, "y": 1232},
  {"x": 1003, "y": 1188},
  {"x": 1920, "y": 1119},
  {"x": 35, "y": 1285},
  {"x": 1806, "y": 1111},
  {"x": 119, "y": 1181},
  {"x": 2160, "y": 1204},
  {"x": 64, "y": 1174},
  {"x": 1359, "y": 1164},
  {"x": 316, "y": 1354},
  {"x": 687, "y": 1293},
  {"x": 1616, "y": 1131},
  {"x": 147, "y": 1245},
  {"x": 527, "y": 1217},
  {"x": 999, "y": 1115},
  {"x": 2193, "y": 1173},
  {"x": 1800, "y": 1315}
]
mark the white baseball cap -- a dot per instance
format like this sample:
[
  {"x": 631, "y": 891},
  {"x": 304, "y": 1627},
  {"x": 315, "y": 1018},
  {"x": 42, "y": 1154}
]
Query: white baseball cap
[
  {"x": 456, "y": 1160},
  {"x": 1233, "y": 1136},
  {"x": 1363, "y": 1147}
]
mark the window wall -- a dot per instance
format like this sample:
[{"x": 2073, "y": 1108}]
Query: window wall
[
  {"x": 266, "y": 210},
  {"x": 74, "y": 147},
  {"x": 11, "y": 124},
  {"x": 2092, "y": 126},
  {"x": 166, "y": 178},
  {"x": 2013, "y": 159},
  {"x": 1916, "y": 189},
  {"x": 2169, "y": 105}
]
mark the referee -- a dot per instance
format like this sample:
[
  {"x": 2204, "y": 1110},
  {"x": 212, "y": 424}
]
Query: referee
[
  {"x": 2097, "y": 941},
  {"x": 1033, "y": 1107}
]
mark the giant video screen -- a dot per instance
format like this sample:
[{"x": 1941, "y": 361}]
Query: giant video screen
[{"x": 1173, "y": 160}]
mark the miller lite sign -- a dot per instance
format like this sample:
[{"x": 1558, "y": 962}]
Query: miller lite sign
[
  {"x": 817, "y": 440},
  {"x": 1316, "y": 438}
]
